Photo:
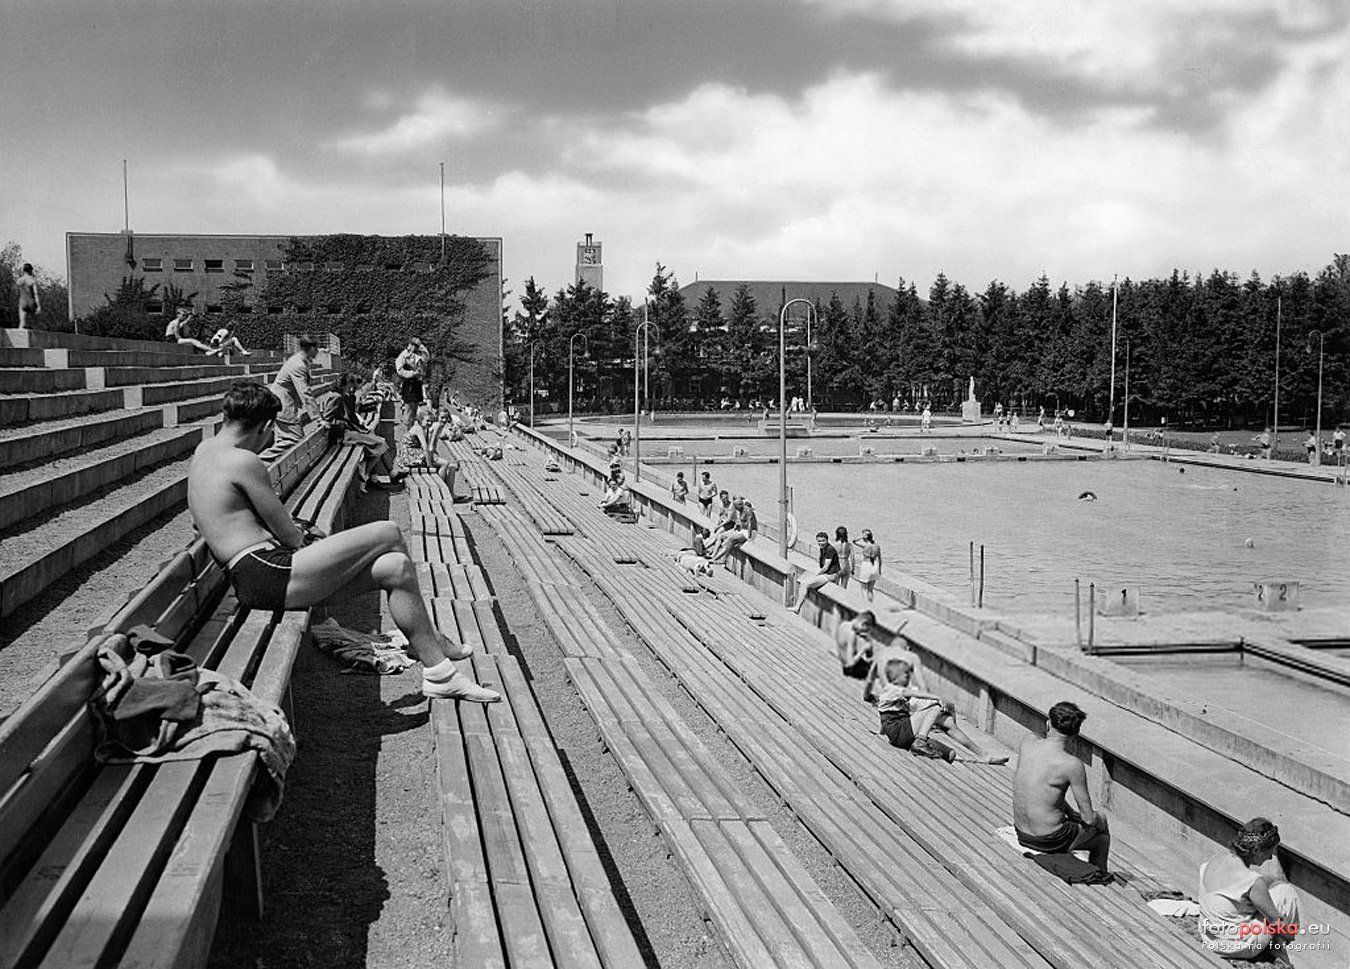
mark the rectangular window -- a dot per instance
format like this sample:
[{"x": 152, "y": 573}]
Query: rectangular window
[
  {"x": 364, "y": 267},
  {"x": 213, "y": 307},
  {"x": 393, "y": 267},
  {"x": 334, "y": 309},
  {"x": 182, "y": 265},
  {"x": 215, "y": 265},
  {"x": 333, "y": 266},
  {"x": 152, "y": 264},
  {"x": 154, "y": 309},
  {"x": 273, "y": 265},
  {"x": 274, "y": 311},
  {"x": 243, "y": 265},
  {"x": 245, "y": 308},
  {"x": 307, "y": 267}
]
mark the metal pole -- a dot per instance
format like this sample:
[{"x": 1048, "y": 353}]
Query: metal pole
[
  {"x": 809, "y": 398},
  {"x": 1321, "y": 347},
  {"x": 1275, "y": 431},
  {"x": 1078, "y": 612},
  {"x": 1092, "y": 614},
  {"x": 571, "y": 344},
  {"x": 443, "y": 216},
  {"x": 1115, "y": 295},
  {"x": 637, "y": 390},
  {"x": 532, "y": 383},
  {"x": 647, "y": 369},
  {"x": 1127, "y": 394},
  {"x": 981, "y": 601},
  {"x": 126, "y": 199},
  {"x": 782, "y": 421},
  {"x": 970, "y": 580}
]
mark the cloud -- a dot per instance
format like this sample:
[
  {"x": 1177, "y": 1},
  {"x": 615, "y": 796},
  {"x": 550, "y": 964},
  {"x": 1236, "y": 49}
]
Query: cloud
[{"x": 435, "y": 117}]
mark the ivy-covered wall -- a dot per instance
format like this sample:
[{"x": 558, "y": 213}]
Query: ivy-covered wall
[{"x": 373, "y": 292}]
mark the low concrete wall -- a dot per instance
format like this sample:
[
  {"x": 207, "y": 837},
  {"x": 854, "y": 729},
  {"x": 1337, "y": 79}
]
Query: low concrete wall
[{"x": 1145, "y": 761}]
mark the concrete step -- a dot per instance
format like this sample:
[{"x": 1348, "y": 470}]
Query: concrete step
[
  {"x": 36, "y": 558},
  {"x": 17, "y": 409},
  {"x": 129, "y": 376},
  {"x": 46, "y": 340},
  {"x": 65, "y": 481},
  {"x": 148, "y": 358},
  {"x": 32, "y": 380},
  {"x": 46, "y": 441},
  {"x": 18, "y": 357},
  {"x": 20, "y": 409}
]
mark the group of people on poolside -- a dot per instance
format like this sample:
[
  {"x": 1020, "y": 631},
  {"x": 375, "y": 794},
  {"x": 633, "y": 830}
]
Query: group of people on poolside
[
  {"x": 1243, "y": 895},
  {"x": 842, "y": 560}
]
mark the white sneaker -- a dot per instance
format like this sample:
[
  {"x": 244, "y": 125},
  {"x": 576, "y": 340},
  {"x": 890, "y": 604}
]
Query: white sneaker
[{"x": 459, "y": 687}]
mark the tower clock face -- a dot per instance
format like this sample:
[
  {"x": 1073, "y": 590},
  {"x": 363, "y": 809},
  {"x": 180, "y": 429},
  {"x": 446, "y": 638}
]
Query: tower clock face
[{"x": 590, "y": 255}]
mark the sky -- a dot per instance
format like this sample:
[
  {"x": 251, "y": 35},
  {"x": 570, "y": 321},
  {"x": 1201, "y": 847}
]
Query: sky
[{"x": 807, "y": 139}]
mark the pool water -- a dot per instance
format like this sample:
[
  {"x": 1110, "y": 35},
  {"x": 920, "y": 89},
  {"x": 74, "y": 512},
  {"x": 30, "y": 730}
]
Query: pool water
[
  {"x": 834, "y": 446},
  {"x": 1312, "y": 710},
  {"x": 1178, "y": 538}
]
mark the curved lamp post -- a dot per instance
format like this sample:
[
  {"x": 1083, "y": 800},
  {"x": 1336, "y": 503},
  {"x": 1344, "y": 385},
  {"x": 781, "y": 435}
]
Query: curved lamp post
[
  {"x": 638, "y": 334},
  {"x": 571, "y": 344},
  {"x": 782, "y": 418},
  {"x": 530, "y": 345}
]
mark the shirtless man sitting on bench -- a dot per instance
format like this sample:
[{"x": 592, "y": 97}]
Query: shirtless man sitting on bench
[
  {"x": 1045, "y": 772},
  {"x": 272, "y": 563}
]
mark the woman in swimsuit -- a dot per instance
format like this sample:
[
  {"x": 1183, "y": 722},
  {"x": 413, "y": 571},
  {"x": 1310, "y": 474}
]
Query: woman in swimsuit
[
  {"x": 845, "y": 549},
  {"x": 869, "y": 569}
]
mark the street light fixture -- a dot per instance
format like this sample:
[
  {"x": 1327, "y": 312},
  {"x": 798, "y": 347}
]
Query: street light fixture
[
  {"x": 1127, "y": 394},
  {"x": 530, "y": 345},
  {"x": 638, "y": 334},
  {"x": 571, "y": 344},
  {"x": 782, "y": 419}
]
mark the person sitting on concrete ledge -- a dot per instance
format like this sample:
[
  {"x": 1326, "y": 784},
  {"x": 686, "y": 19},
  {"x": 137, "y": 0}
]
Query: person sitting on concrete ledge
[
  {"x": 1045, "y": 771},
  {"x": 274, "y": 565},
  {"x": 182, "y": 331},
  {"x": 738, "y": 529},
  {"x": 226, "y": 342},
  {"x": 1247, "y": 906},
  {"x": 618, "y": 497},
  {"x": 910, "y": 719},
  {"x": 828, "y": 559},
  {"x": 853, "y": 641}
]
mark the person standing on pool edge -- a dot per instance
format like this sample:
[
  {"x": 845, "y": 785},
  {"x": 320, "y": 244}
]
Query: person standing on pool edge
[
  {"x": 273, "y": 565},
  {"x": 411, "y": 366}
]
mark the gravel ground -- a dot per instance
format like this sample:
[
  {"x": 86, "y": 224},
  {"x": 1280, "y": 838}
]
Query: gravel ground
[
  {"x": 353, "y": 874},
  {"x": 649, "y": 885},
  {"x": 58, "y": 619}
]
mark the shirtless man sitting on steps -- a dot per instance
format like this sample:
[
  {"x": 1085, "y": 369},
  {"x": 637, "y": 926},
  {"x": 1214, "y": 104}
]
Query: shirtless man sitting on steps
[
  {"x": 273, "y": 565},
  {"x": 1045, "y": 771}
]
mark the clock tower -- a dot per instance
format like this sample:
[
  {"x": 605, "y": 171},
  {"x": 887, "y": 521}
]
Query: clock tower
[{"x": 589, "y": 269}]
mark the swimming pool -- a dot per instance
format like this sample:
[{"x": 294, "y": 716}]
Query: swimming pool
[
  {"x": 1178, "y": 535},
  {"x": 833, "y": 446}
]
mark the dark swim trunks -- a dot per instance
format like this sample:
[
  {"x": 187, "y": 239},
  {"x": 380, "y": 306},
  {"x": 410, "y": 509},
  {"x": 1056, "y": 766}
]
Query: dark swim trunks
[
  {"x": 859, "y": 668},
  {"x": 1057, "y": 842},
  {"x": 896, "y": 728},
  {"x": 260, "y": 575}
]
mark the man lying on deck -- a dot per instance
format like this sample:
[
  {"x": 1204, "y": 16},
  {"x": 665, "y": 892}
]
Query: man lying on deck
[
  {"x": 274, "y": 565},
  {"x": 1045, "y": 771},
  {"x": 911, "y": 718}
]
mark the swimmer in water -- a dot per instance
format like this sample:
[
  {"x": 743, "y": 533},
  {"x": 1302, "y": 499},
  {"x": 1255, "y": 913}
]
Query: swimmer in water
[{"x": 1087, "y": 496}]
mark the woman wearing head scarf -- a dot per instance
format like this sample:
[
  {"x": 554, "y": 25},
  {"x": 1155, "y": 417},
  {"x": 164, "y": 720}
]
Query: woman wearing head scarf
[{"x": 1246, "y": 904}]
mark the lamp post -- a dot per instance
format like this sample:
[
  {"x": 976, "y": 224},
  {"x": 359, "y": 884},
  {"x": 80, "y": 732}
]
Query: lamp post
[
  {"x": 531, "y": 346},
  {"x": 1321, "y": 348},
  {"x": 638, "y": 334},
  {"x": 1275, "y": 431},
  {"x": 809, "y": 398},
  {"x": 782, "y": 420},
  {"x": 571, "y": 344},
  {"x": 1127, "y": 393}
]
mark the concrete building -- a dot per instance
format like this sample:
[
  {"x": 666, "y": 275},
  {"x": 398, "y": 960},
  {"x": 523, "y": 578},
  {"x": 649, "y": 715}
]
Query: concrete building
[
  {"x": 590, "y": 270},
  {"x": 201, "y": 265}
]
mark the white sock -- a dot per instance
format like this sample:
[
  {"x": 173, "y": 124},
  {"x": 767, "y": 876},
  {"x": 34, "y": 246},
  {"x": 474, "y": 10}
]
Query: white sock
[{"x": 439, "y": 673}]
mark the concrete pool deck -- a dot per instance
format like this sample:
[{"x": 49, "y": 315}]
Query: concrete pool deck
[{"x": 1188, "y": 769}]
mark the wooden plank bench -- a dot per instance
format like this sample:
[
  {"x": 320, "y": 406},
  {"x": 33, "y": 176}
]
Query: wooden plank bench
[
  {"x": 527, "y": 886},
  {"x": 126, "y": 864},
  {"x": 765, "y": 907}
]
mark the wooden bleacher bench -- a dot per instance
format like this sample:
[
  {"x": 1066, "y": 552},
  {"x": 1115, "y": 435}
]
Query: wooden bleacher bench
[
  {"x": 765, "y": 907},
  {"x": 527, "y": 885},
  {"x": 127, "y": 864}
]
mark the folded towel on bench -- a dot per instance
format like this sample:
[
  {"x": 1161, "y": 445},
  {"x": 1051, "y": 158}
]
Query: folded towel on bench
[
  {"x": 144, "y": 722},
  {"x": 1008, "y": 835}
]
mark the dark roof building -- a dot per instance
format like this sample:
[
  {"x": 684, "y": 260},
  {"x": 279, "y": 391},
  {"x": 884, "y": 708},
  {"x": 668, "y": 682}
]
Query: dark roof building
[{"x": 770, "y": 295}]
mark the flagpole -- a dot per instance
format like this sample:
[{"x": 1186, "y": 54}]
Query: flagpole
[
  {"x": 1115, "y": 291},
  {"x": 442, "y": 211}
]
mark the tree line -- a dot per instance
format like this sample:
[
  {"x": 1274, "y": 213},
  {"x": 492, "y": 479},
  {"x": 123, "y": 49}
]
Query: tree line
[{"x": 1200, "y": 350}]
